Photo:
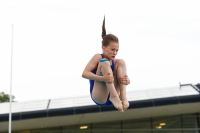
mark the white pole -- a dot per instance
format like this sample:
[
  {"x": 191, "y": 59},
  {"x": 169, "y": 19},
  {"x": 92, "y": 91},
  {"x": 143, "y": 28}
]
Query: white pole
[
  {"x": 11, "y": 16},
  {"x": 10, "y": 114}
]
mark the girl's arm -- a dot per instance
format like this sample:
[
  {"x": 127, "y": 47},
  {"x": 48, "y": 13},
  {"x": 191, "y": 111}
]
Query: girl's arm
[{"x": 90, "y": 66}]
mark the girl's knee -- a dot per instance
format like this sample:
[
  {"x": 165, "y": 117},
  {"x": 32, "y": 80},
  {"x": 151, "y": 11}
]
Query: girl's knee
[
  {"x": 104, "y": 62},
  {"x": 120, "y": 62}
]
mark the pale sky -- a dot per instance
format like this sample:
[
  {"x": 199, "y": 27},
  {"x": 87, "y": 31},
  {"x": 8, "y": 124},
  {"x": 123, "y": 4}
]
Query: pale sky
[{"x": 54, "y": 40}]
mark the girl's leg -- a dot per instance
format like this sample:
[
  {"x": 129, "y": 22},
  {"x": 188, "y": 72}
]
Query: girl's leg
[
  {"x": 101, "y": 89},
  {"x": 120, "y": 71}
]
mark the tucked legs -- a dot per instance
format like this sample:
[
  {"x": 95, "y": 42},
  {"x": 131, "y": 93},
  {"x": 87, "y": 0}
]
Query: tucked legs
[
  {"x": 120, "y": 71},
  {"x": 102, "y": 89}
]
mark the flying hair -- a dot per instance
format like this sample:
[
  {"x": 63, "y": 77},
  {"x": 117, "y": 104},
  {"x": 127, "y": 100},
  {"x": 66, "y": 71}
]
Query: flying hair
[{"x": 109, "y": 37}]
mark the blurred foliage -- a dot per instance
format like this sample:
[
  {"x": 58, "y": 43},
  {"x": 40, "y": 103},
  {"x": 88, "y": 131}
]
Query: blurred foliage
[{"x": 5, "y": 97}]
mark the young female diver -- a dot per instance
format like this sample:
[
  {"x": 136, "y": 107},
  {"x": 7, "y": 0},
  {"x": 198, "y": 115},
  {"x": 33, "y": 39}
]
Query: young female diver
[{"x": 107, "y": 75}]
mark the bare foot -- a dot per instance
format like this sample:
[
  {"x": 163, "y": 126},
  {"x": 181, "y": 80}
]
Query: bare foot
[
  {"x": 117, "y": 103},
  {"x": 125, "y": 102}
]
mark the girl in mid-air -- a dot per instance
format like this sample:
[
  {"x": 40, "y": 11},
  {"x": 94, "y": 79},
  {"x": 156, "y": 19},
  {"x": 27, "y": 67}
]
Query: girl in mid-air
[{"x": 107, "y": 75}]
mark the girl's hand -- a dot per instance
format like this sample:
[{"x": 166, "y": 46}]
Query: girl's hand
[
  {"x": 125, "y": 80},
  {"x": 108, "y": 78}
]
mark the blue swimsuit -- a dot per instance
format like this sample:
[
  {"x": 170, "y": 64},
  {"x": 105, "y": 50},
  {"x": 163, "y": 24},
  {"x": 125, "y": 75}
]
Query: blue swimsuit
[{"x": 108, "y": 102}]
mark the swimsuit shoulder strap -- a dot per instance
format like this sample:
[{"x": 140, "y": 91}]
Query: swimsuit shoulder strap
[
  {"x": 102, "y": 56},
  {"x": 113, "y": 65}
]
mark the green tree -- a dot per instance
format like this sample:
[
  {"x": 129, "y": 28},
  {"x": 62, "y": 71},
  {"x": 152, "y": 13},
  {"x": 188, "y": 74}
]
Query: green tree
[{"x": 5, "y": 97}]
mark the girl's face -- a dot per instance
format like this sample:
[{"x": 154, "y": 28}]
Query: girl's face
[{"x": 111, "y": 50}]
